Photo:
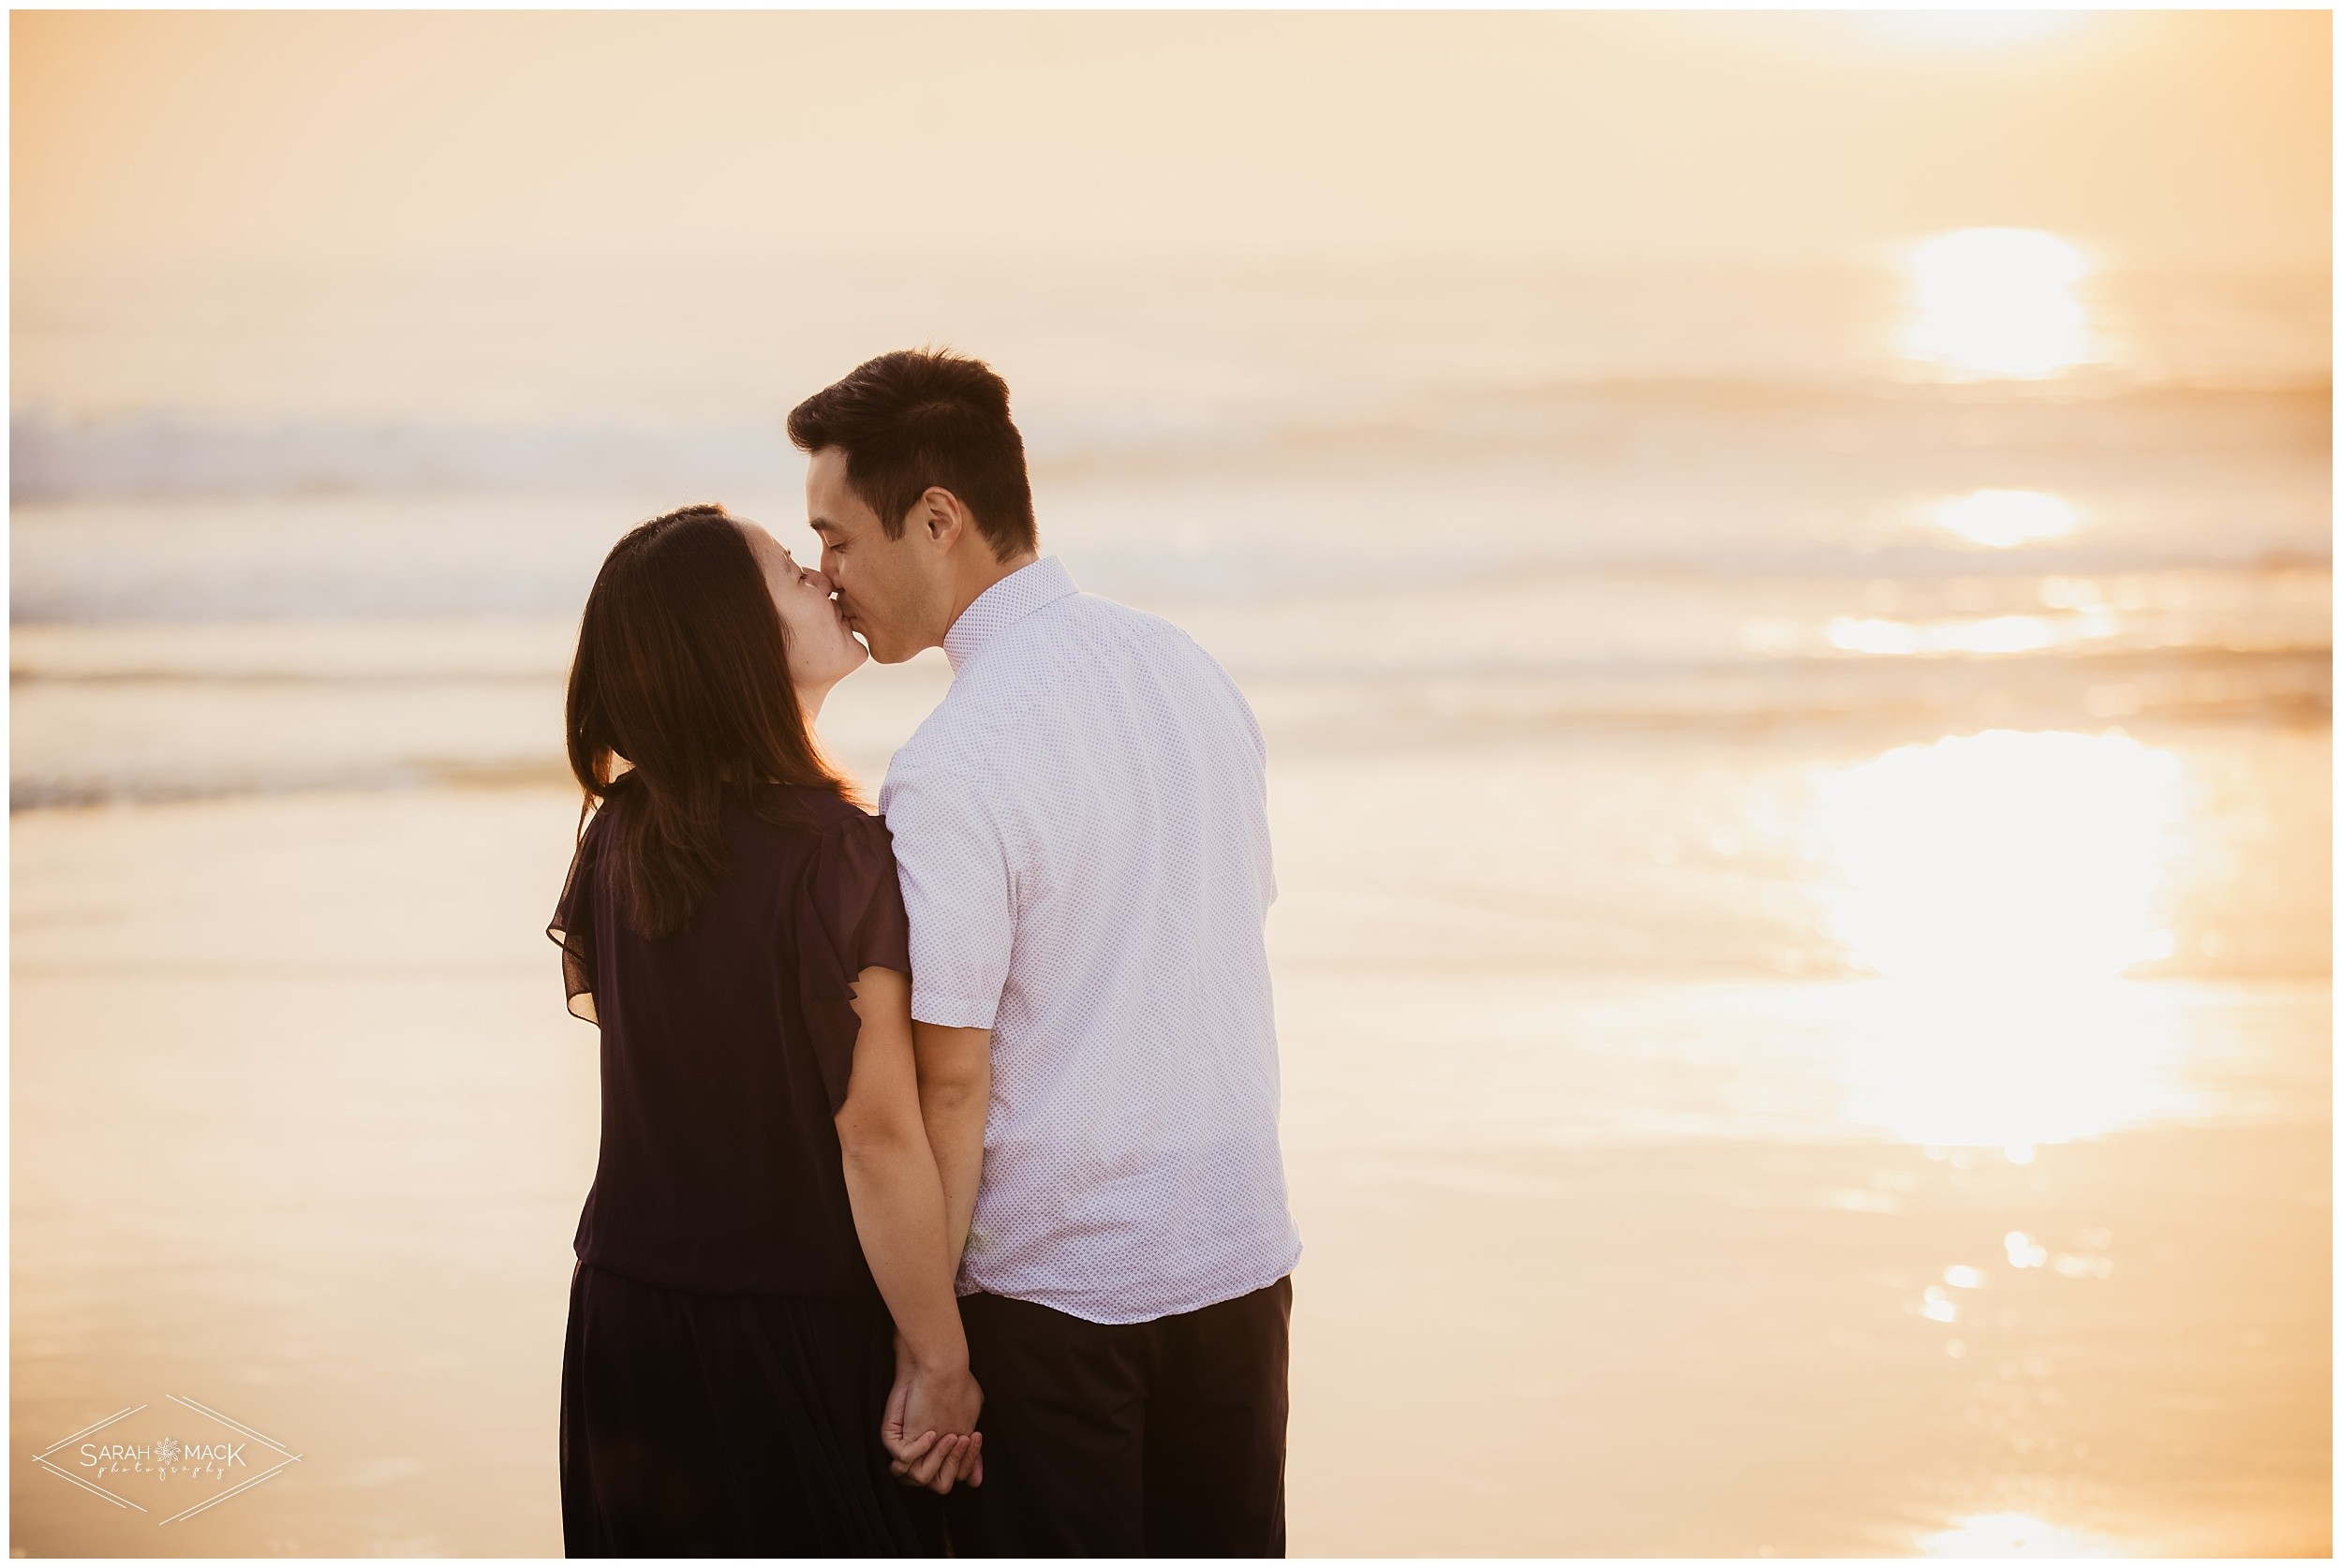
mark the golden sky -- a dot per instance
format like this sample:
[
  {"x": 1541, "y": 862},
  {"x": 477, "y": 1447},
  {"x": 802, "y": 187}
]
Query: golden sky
[{"x": 169, "y": 138}]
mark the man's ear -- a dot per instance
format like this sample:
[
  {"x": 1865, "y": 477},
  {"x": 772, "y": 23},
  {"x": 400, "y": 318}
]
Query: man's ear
[{"x": 939, "y": 513}]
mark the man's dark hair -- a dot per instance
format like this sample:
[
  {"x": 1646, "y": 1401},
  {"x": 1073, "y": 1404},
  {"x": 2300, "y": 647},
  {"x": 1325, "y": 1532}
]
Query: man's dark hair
[{"x": 914, "y": 418}]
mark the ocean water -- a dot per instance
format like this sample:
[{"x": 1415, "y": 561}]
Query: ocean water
[
  {"x": 1776, "y": 830},
  {"x": 1611, "y": 499}
]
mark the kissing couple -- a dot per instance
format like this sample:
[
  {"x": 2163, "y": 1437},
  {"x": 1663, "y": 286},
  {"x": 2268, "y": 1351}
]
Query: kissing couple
[{"x": 939, "y": 1206}]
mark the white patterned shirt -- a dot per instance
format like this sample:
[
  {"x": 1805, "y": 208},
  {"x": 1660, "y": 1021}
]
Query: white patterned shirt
[{"x": 1082, "y": 831}]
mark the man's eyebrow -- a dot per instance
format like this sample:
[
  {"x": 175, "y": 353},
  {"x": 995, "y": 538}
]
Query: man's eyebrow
[{"x": 819, "y": 524}]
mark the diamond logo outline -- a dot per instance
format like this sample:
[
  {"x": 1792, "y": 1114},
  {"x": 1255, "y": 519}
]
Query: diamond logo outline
[{"x": 287, "y": 1458}]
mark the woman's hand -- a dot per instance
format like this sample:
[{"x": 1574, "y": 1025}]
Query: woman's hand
[
  {"x": 897, "y": 1200},
  {"x": 929, "y": 1430}
]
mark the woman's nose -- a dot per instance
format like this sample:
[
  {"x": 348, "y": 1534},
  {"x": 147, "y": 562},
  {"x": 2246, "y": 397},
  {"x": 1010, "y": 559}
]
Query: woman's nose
[{"x": 821, "y": 580}]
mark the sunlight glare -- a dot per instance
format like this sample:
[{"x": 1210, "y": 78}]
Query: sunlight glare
[
  {"x": 1997, "y": 302},
  {"x": 2013, "y": 1535},
  {"x": 1991, "y": 634},
  {"x": 2003, "y": 882},
  {"x": 2003, "y": 855},
  {"x": 1951, "y": 1065},
  {"x": 2004, "y": 519}
]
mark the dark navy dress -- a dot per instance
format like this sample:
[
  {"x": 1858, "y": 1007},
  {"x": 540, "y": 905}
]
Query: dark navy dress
[{"x": 729, "y": 1356}]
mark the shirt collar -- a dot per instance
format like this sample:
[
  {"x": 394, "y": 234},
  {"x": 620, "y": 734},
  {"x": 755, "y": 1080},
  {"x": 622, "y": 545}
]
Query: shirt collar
[{"x": 1003, "y": 605}]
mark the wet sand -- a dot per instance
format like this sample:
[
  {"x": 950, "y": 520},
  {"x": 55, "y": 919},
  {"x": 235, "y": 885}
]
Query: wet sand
[
  {"x": 1718, "y": 1349},
  {"x": 1594, "y": 1266}
]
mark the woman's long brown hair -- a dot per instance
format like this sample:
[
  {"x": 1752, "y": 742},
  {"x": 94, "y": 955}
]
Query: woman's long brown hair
[{"x": 682, "y": 672}]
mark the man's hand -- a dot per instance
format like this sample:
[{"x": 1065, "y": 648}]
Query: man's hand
[{"x": 929, "y": 1430}]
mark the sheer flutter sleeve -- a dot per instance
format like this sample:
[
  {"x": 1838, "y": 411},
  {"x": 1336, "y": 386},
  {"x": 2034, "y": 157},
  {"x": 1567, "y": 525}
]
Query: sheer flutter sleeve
[
  {"x": 850, "y": 918},
  {"x": 572, "y": 926}
]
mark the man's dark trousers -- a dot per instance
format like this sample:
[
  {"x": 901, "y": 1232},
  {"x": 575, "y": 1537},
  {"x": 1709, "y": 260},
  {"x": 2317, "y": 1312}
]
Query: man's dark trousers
[{"x": 1163, "y": 1439}]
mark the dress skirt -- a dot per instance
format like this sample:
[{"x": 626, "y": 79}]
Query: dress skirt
[{"x": 729, "y": 1426}]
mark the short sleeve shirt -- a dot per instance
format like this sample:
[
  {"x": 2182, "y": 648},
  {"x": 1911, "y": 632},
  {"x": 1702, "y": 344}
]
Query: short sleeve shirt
[
  {"x": 1081, "y": 832},
  {"x": 727, "y": 1048}
]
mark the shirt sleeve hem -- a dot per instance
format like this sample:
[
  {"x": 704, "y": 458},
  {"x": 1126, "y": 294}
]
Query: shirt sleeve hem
[{"x": 948, "y": 1013}]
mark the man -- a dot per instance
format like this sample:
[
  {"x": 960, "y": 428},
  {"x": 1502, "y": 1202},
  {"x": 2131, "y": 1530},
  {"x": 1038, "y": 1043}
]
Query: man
[{"x": 1083, "y": 841}]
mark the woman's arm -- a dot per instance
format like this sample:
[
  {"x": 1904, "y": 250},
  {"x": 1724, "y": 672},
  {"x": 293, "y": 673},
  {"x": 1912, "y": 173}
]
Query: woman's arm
[{"x": 898, "y": 1203}]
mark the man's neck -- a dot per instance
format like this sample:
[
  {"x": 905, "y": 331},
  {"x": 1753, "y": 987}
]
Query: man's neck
[{"x": 977, "y": 584}]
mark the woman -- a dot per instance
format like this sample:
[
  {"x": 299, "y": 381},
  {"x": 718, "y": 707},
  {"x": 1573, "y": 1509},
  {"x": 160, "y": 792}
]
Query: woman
[{"x": 760, "y": 1262}]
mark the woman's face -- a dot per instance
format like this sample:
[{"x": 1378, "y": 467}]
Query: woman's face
[{"x": 822, "y": 652}]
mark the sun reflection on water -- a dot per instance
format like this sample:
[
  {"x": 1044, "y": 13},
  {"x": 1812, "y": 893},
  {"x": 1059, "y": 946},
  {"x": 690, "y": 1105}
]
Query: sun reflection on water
[
  {"x": 2003, "y": 884},
  {"x": 1952, "y": 1065},
  {"x": 1997, "y": 302},
  {"x": 1990, "y": 634},
  {"x": 2004, "y": 519},
  {"x": 2005, "y": 857},
  {"x": 2014, "y": 1535}
]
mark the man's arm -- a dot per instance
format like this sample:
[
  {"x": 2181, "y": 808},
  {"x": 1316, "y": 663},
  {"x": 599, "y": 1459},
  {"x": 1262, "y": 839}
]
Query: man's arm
[
  {"x": 955, "y": 1093},
  {"x": 959, "y": 891}
]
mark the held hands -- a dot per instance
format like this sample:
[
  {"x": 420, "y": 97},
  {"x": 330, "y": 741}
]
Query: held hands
[{"x": 929, "y": 1430}]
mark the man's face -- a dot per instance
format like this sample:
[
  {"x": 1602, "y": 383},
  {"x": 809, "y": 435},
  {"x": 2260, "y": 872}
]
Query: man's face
[{"x": 896, "y": 592}]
